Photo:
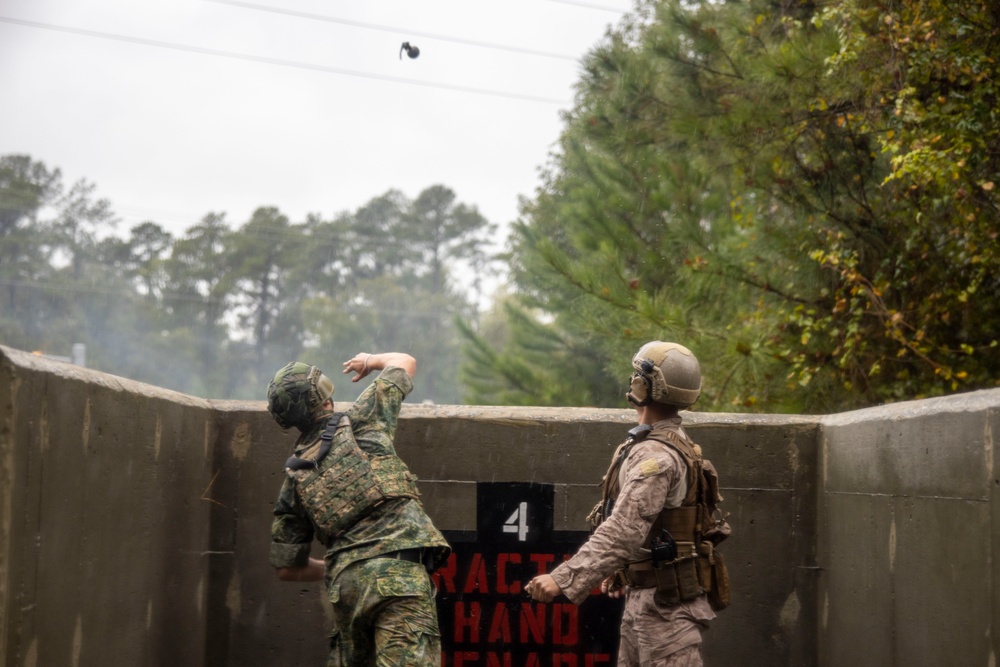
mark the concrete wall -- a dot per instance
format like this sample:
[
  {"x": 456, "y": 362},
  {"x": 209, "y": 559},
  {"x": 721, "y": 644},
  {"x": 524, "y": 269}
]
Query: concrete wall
[
  {"x": 910, "y": 533},
  {"x": 134, "y": 522},
  {"x": 103, "y": 536}
]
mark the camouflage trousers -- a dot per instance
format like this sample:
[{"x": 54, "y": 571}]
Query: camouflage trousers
[
  {"x": 384, "y": 616},
  {"x": 655, "y": 635}
]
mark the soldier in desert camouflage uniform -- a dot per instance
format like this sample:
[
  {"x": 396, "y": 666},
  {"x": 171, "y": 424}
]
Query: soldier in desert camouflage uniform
[
  {"x": 656, "y": 525},
  {"x": 381, "y": 545}
]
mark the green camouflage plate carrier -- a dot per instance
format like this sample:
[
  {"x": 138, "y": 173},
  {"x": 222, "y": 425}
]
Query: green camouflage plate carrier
[{"x": 346, "y": 484}]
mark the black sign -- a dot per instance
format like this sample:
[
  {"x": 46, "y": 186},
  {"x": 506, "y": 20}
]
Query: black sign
[{"x": 487, "y": 620}]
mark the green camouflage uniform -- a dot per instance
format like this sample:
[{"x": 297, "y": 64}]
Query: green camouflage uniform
[{"x": 384, "y": 609}]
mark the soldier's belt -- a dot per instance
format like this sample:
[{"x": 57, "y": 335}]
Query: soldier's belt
[
  {"x": 412, "y": 555},
  {"x": 425, "y": 557},
  {"x": 643, "y": 574},
  {"x": 678, "y": 577}
]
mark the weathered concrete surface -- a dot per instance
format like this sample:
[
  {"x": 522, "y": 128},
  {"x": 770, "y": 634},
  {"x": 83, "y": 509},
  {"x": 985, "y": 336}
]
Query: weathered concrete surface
[
  {"x": 909, "y": 533},
  {"x": 104, "y": 538},
  {"x": 134, "y": 522}
]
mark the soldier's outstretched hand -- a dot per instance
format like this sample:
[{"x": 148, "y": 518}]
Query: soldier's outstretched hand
[{"x": 359, "y": 365}]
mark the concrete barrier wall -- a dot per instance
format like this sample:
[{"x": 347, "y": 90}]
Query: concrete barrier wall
[
  {"x": 134, "y": 522},
  {"x": 910, "y": 532},
  {"x": 103, "y": 536}
]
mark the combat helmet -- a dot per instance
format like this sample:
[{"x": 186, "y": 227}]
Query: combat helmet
[
  {"x": 664, "y": 373},
  {"x": 295, "y": 394}
]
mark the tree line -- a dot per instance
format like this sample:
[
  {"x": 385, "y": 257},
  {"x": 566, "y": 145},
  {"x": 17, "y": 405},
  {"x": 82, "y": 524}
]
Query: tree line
[
  {"x": 215, "y": 311},
  {"x": 805, "y": 194}
]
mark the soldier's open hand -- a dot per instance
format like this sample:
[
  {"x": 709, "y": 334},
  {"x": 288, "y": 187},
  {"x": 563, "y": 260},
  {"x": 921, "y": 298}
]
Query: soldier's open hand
[{"x": 358, "y": 365}]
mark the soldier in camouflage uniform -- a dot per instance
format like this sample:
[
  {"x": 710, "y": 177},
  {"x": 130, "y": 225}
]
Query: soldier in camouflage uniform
[
  {"x": 379, "y": 558},
  {"x": 656, "y": 525}
]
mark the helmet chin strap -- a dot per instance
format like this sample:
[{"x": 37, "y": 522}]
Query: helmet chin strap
[{"x": 637, "y": 403}]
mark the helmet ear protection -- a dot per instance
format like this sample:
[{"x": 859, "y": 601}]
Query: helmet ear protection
[
  {"x": 641, "y": 385},
  {"x": 665, "y": 373}
]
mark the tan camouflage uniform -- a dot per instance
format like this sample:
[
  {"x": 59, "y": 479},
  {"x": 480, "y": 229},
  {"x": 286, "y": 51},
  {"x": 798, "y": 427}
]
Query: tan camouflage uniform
[
  {"x": 652, "y": 635},
  {"x": 384, "y": 609}
]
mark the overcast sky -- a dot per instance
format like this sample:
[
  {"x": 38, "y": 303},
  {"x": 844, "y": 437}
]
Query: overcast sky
[{"x": 175, "y": 108}]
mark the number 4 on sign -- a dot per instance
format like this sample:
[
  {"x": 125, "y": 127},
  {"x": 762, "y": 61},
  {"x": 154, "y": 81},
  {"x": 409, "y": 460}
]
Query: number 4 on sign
[{"x": 518, "y": 522}]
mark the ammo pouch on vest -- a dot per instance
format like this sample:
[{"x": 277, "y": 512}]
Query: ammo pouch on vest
[
  {"x": 675, "y": 581},
  {"x": 697, "y": 568},
  {"x": 690, "y": 566},
  {"x": 343, "y": 483},
  {"x": 683, "y": 579}
]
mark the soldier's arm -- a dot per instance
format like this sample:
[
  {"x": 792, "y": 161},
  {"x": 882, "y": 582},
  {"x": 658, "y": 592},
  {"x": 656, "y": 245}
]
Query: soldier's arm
[
  {"x": 647, "y": 483},
  {"x": 363, "y": 363},
  {"x": 291, "y": 539},
  {"x": 314, "y": 570}
]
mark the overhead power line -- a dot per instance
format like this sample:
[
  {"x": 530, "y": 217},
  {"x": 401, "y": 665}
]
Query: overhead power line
[
  {"x": 590, "y": 5},
  {"x": 407, "y": 32},
  {"x": 276, "y": 61}
]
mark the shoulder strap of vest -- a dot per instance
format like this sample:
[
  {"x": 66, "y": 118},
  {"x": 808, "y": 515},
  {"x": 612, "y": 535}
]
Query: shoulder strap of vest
[
  {"x": 610, "y": 485},
  {"x": 296, "y": 463},
  {"x": 691, "y": 453},
  {"x": 684, "y": 445}
]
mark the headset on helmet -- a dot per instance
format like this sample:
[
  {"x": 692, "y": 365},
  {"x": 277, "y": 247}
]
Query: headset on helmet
[
  {"x": 664, "y": 373},
  {"x": 295, "y": 394}
]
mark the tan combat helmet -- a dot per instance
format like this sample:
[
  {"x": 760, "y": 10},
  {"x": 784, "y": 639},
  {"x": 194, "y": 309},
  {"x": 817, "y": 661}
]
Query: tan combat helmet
[{"x": 664, "y": 373}]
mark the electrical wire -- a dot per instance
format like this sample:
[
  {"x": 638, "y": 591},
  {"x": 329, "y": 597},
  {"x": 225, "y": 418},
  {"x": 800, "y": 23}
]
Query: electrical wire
[
  {"x": 589, "y": 5},
  {"x": 408, "y": 33},
  {"x": 275, "y": 61}
]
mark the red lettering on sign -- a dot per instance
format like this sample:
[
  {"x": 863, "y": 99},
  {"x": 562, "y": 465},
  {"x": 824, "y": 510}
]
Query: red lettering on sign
[
  {"x": 533, "y": 621},
  {"x": 493, "y": 624},
  {"x": 444, "y": 577},
  {"x": 470, "y": 621},
  {"x": 462, "y": 656},
  {"x": 476, "y": 576},
  {"x": 500, "y": 624},
  {"x": 492, "y": 660},
  {"x": 476, "y": 579},
  {"x": 565, "y": 624},
  {"x": 502, "y": 586},
  {"x": 542, "y": 561}
]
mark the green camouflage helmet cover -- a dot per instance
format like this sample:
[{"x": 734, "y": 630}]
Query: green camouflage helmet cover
[
  {"x": 664, "y": 373},
  {"x": 296, "y": 393}
]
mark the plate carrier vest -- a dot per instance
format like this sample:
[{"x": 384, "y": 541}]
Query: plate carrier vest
[
  {"x": 695, "y": 527},
  {"x": 341, "y": 484}
]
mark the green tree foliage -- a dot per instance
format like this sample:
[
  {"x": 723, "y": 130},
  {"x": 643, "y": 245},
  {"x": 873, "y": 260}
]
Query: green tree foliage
[
  {"x": 927, "y": 95},
  {"x": 215, "y": 311},
  {"x": 401, "y": 273},
  {"x": 201, "y": 287},
  {"x": 753, "y": 180},
  {"x": 26, "y": 187},
  {"x": 263, "y": 260}
]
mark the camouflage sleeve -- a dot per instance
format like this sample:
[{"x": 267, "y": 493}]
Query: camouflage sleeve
[
  {"x": 651, "y": 472},
  {"x": 375, "y": 415},
  {"x": 291, "y": 530}
]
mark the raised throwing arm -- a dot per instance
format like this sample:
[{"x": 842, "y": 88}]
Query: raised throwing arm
[{"x": 364, "y": 363}]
